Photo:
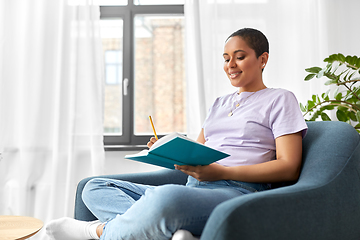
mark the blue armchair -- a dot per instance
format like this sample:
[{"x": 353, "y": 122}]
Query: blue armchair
[{"x": 324, "y": 204}]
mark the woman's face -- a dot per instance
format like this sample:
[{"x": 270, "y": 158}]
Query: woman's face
[{"x": 242, "y": 66}]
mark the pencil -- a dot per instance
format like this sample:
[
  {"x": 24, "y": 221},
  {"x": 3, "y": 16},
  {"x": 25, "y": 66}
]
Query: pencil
[{"x": 152, "y": 125}]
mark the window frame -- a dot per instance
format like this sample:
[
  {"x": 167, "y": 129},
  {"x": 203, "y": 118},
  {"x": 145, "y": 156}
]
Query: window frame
[{"x": 128, "y": 140}]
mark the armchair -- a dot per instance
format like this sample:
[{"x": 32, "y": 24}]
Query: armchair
[{"x": 324, "y": 204}]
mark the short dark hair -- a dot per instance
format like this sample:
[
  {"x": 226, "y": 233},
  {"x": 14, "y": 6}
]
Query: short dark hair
[{"x": 254, "y": 38}]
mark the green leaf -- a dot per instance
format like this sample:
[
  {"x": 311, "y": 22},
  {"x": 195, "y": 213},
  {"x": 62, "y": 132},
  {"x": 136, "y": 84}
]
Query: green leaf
[
  {"x": 330, "y": 82},
  {"x": 315, "y": 116},
  {"x": 358, "y": 63},
  {"x": 321, "y": 73},
  {"x": 330, "y": 59},
  {"x": 341, "y": 57},
  {"x": 310, "y": 104},
  {"x": 352, "y": 116},
  {"x": 342, "y": 108},
  {"x": 341, "y": 115},
  {"x": 309, "y": 77},
  {"x": 325, "y": 117},
  {"x": 354, "y": 60},
  {"x": 358, "y": 116},
  {"x": 335, "y": 57},
  {"x": 351, "y": 60},
  {"x": 338, "y": 96},
  {"x": 313, "y": 70},
  {"x": 329, "y": 107},
  {"x": 327, "y": 95},
  {"x": 302, "y": 108},
  {"x": 313, "y": 97},
  {"x": 345, "y": 78},
  {"x": 351, "y": 75},
  {"x": 348, "y": 59},
  {"x": 351, "y": 99},
  {"x": 331, "y": 76}
]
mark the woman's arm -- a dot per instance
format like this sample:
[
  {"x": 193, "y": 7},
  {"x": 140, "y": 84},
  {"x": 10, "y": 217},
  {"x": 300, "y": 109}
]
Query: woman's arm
[
  {"x": 201, "y": 137},
  {"x": 286, "y": 167}
]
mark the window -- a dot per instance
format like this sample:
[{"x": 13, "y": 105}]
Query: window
[{"x": 143, "y": 44}]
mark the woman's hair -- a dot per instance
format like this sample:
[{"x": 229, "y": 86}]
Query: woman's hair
[{"x": 254, "y": 39}]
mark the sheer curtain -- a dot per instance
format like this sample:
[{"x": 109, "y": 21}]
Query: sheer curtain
[
  {"x": 301, "y": 34},
  {"x": 50, "y": 105}
]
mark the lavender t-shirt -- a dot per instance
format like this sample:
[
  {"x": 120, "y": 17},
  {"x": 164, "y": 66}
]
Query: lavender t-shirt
[{"x": 248, "y": 136}]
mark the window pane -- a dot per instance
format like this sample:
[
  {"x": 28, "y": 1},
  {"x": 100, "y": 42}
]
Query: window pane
[
  {"x": 159, "y": 2},
  {"x": 111, "y": 75},
  {"x": 112, "y": 41},
  {"x": 111, "y": 2},
  {"x": 113, "y": 56},
  {"x": 160, "y": 89}
]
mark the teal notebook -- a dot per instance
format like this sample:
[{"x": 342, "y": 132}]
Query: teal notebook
[{"x": 178, "y": 149}]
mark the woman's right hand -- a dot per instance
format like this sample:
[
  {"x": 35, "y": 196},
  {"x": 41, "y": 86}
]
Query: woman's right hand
[{"x": 151, "y": 142}]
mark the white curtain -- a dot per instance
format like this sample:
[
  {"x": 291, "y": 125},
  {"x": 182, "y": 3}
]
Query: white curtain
[
  {"x": 301, "y": 34},
  {"x": 50, "y": 105}
]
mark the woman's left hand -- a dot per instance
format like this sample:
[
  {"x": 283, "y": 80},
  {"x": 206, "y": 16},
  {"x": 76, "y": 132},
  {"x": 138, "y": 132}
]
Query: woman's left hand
[{"x": 212, "y": 172}]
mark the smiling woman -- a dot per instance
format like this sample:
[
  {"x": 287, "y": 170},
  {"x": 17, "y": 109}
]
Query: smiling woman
[
  {"x": 263, "y": 139},
  {"x": 245, "y": 59}
]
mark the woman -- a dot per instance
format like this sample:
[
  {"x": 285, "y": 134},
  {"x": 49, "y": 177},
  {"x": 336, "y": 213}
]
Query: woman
[{"x": 261, "y": 128}]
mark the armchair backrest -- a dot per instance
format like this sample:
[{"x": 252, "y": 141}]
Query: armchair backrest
[{"x": 327, "y": 148}]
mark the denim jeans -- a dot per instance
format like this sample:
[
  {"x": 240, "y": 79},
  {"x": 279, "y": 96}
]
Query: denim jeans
[{"x": 135, "y": 211}]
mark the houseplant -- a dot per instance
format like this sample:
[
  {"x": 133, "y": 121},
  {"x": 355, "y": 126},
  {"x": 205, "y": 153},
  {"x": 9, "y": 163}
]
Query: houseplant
[{"x": 344, "y": 98}]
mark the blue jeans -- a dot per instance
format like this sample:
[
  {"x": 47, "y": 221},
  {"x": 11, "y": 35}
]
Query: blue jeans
[{"x": 135, "y": 211}]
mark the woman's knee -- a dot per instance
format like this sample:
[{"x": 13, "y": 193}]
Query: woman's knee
[
  {"x": 89, "y": 192},
  {"x": 169, "y": 207},
  {"x": 168, "y": 191},
  {"x": 167, "y": 198}
]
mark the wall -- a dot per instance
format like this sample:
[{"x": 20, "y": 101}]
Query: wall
[{"x": 116, "y": 164}]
